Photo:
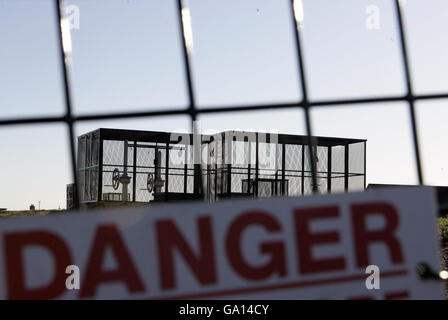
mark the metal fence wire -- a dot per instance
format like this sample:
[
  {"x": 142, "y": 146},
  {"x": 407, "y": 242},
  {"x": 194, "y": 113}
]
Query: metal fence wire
[{"x": 70, "y": 119}]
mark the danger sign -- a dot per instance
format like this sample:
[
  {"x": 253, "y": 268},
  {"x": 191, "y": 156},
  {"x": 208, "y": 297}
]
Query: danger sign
[{"x": 314, "y": 247}]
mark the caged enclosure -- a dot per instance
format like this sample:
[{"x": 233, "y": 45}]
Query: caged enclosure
[{"x": 148, "y": 166}]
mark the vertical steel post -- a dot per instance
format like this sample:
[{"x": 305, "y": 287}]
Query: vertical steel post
[
  {"x": 134, "y": 172},
  {"x": 283, "y": 169},
  {"x": 67, "y": 98},
  {"x": 329, "y": 170},
  {"x": 346, "y": 167},
  {"x": 305, "y": 101},
  {"x": 410, "y": 96}
]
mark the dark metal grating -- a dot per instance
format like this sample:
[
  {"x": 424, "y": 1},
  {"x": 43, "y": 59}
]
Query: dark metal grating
[{"x": 313, "y": 181}]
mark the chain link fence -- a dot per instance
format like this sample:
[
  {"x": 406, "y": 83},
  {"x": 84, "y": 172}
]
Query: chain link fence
[{"x": 314, "y": 160}]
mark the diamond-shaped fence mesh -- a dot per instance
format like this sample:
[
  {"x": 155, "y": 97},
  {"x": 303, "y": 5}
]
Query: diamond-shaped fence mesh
[
  {"x": 337, "y": 182},
  {"x": 337, "y": 159},
  {"x": 307, "y": 185},
  {"x": 240, "y": 154},
  {"x": 322, "y": 159},
  {"x": 268, "y": 156},
  {"x": 238, "y": 175},
  {"x": 88, "y": 158},
  {"x": 142, "y": 193},
  {"x": 265, "y": 189},
  {"x": 113, "y": 153},
  {"x": 114, "y": 159},
  {"x": 293, "y": 165},
  {"x": 293, "y": 157},
  {"x": 356, "y": 158}
]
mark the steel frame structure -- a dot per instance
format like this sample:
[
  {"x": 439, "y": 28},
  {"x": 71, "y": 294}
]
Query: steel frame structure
[{"x": 233, "y": 164}]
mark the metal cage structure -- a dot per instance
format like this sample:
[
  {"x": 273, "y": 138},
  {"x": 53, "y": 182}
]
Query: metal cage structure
[{"x": 148, "y": 166}]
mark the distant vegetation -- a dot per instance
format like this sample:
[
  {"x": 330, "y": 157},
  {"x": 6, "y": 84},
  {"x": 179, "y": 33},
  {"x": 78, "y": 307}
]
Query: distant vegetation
[
  {"x": 28, "y": 213},
  {"x": 443, "y": 231}
]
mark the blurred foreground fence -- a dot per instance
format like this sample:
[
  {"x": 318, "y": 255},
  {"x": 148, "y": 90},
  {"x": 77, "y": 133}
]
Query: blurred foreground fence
[{"x": 306, "y": 104}]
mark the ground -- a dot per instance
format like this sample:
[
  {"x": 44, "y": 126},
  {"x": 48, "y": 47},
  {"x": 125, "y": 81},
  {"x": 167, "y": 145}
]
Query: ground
[{"x": 16, "y": 214}]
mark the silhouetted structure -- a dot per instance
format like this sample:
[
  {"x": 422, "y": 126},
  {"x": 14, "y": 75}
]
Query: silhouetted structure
[{"x": 148, "y": 166}]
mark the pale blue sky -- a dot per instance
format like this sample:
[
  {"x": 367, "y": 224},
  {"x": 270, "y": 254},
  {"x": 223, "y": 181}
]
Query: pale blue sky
[{"x": 127, "y": 56}]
